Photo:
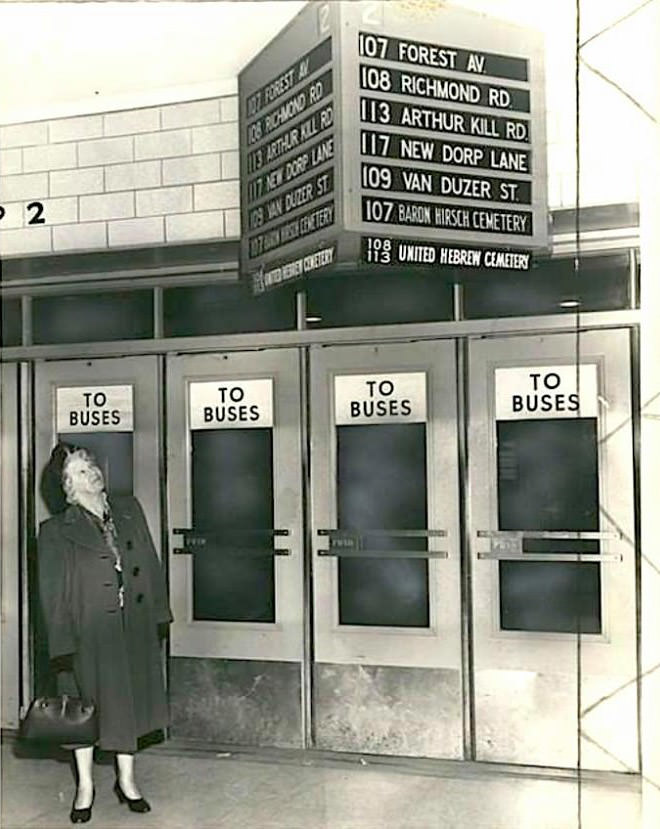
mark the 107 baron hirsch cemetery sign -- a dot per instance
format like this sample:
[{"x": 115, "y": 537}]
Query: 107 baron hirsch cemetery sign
[{"x": 372, "y": 137}]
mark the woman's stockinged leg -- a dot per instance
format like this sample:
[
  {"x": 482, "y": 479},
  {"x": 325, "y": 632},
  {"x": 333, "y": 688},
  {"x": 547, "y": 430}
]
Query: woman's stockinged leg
[
  {"x": 126, "y": 788},
  {"x": 84, "y": 758},
  {"x": 126, "y": 775}
]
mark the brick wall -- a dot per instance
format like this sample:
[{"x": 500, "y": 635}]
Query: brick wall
[{"x": 162, "y": 174}]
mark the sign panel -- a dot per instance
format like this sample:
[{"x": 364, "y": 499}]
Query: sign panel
[
  {"x": 94, "y": 409},
  {"x": 533, "y": 392},
  {"x": 384, "y": 250},
  {"x": 231, "y": 404},
  {"x": 288, "y": 128},
  {"x": 380, "y": 398},
  {"x": 392, "y": 140},
  {"x": 450, "y": 130}
]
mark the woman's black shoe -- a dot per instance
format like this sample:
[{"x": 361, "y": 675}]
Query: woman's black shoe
[
  {"x": 137, "y": 804},
  {"x": 81, "y": 815}
]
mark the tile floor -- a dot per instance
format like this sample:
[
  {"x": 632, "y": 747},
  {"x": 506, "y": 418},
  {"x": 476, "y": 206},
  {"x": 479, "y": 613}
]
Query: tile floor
[{"x": 248, "y": 792}]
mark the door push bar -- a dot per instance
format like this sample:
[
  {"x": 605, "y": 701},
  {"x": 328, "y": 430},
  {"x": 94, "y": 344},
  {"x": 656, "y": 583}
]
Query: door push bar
[
  {"x": 196, "y": 540},
  {"x": 506, "y": 545},
  {"x": 582, "y": 535},
  {"x": 500, "y": 556},
  {"x": 350, "y": 543}
]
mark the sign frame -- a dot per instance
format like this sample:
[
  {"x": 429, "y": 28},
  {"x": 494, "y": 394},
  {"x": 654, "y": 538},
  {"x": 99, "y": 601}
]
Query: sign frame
[
  {"x": 483, "y": 197},
  {"x": 252, "y": 409},
  {"x": 115, "y": 412},
  {"x": 466, "y": 31},
  {"x": 313, "y": 26}
]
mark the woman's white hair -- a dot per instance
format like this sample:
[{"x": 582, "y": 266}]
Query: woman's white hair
[{"x": 67, "y": 480}]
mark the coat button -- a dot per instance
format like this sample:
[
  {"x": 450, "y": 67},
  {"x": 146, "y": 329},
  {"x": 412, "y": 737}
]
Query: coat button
[
  {"x": 129, "y": 544},
  {"x": 139, "y": 597},
  {"x": 136, "y": 570}
]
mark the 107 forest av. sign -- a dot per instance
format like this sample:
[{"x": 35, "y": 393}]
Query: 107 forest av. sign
[{"x": 359, "y": 124}]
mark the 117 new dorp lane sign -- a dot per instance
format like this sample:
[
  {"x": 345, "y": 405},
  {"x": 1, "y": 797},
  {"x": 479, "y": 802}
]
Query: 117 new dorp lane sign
[{"x": 372, "y": 137}]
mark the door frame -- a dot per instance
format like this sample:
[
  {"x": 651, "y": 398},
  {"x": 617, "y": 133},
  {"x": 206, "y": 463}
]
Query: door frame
[
  {"x": 442, "y": 489},
  {"x": 199, "y": 638},
  {"x": 495, "y": 650}
]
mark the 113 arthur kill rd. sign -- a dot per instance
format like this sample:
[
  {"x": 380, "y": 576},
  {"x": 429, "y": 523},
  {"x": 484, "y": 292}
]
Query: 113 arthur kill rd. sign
[{"x": 369, "y": 137}]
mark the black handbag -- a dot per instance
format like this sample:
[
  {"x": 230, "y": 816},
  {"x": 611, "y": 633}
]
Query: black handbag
[{"x": 63, "y": 720}]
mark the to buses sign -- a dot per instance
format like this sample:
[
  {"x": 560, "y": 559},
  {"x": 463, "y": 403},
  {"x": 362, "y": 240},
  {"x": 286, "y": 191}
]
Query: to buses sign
[
  {"x": 380, "y": 398},
  {"x": 231, "y": 404},
  {"x": 392, "y": 140},
  {"x": 94, "y": 409},
  {"x": 546, "y": 392}
]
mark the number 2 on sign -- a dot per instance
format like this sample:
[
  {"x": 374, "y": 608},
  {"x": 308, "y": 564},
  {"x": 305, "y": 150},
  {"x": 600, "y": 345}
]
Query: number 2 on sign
[
  {"x": 324, "y": 19},
  {"x": 372, "y": 13},
  {"x": 37, "y": 217}
]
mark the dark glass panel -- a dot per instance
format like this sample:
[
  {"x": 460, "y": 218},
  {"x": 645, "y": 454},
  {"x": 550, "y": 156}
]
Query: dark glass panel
[
  {"x": 378, "y": 299},
  {"x": 559, "y": 597},
  {"x": 548, "y": 480},
  {"x": 232, "y": 492},
  {"x": 381, "y": 484},
  {"x": 11, "y": 322},
  {"x": 93, "y": 317},
  {"x": 603, "y": 284},
  {"x": 547, "y": 474},
  {"x": 226, "y": 309}
]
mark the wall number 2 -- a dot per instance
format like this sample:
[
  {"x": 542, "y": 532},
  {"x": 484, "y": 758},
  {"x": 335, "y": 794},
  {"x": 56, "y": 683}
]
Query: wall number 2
[
  {"x": 37, "y": 217},
  {"x": 35, "y": 211}
]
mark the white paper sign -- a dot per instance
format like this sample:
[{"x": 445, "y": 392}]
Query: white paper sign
[
  {"x": 94, "y": 409},
  {"x": 380, "y": 398},
  {"x": 532, "y": 392},
  {"x": 231, "y": 404}
]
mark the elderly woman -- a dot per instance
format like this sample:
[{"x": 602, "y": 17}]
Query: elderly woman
[{"x": 105, "y": 601}]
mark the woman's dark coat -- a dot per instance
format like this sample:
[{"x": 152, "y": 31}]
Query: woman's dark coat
[{"x": 116, "y": 653}]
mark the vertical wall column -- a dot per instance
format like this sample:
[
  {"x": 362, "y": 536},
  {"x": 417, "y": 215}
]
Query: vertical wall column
[
  {"x": 650, "y": 470},
  {"x": 9, "y": 539}
]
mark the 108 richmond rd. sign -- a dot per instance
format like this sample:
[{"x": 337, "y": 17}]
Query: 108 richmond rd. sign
[{"x": 376, "y": 138}]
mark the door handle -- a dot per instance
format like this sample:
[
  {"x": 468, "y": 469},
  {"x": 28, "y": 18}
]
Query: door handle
[
  {"x": 390, "y": 533},
  {"x": 581, "y": 535},
  {"x": 350, "y": 543},
  {"x": 507, "y": 545},
  {"x": 383, "y": 553},
  {"x": 230, "y": 543}
]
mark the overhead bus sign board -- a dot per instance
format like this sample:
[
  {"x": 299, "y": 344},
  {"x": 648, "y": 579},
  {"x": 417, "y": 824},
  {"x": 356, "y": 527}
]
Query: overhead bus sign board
[
  {"x": 289, "y": 162},
  {"x": 383, "y": 138}
]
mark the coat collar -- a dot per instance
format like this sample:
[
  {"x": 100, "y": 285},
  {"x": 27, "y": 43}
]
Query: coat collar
[{"x": 80, "y": 527}]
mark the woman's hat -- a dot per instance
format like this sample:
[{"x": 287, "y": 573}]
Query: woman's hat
[{"x": 51, "y": 479}]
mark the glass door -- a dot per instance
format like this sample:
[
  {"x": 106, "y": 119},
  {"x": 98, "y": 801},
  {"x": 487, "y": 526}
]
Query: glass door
[
  {"x": 553, "y": 569},
  {"x": 387, "y": 621},
  {"x": 235, "y": 512}
]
